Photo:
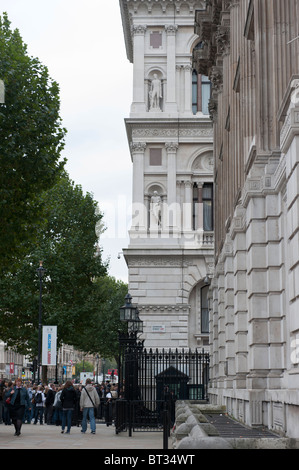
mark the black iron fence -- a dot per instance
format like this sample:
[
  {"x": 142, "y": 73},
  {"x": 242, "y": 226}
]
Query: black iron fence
[{"x": 152, "y": 381}]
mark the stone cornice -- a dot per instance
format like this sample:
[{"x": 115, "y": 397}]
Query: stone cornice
[
  {"x": 201, "y": 129},
  {"x": 167, "y": 5},
  {"x": 183, "y": 260},
  {"x": 175, "y": 258},
  {"x": 126, "y": 28}
]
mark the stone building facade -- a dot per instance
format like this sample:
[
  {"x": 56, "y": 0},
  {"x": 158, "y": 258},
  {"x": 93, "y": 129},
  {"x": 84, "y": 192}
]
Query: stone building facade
[
  {"x": 170, "y": 136},
  {"x": 251, "y": 54}
]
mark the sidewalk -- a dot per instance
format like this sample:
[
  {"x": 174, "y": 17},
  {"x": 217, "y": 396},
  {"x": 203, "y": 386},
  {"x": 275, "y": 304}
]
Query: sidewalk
[{"x": 50, "y": 437}]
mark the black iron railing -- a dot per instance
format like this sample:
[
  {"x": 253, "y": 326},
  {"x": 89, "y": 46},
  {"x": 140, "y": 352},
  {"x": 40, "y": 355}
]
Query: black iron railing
[{"x": 152, "y": 380}]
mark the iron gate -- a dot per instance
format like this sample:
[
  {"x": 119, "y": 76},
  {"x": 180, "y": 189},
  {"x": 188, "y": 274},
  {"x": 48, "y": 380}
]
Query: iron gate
[{"x": 152, "y": 381}]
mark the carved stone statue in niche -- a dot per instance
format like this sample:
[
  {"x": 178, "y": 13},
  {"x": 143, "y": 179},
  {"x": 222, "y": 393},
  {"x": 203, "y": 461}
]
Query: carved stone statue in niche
[
  {"x": 155, "y": 93},
  {"x": 155, "y": 210}
]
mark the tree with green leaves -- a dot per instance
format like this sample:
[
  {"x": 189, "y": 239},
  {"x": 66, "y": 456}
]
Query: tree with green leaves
[
  {"x": 67, "y": 245},
  {"x": 101, "y": 336},
  {"x": 31, "y": 142}
]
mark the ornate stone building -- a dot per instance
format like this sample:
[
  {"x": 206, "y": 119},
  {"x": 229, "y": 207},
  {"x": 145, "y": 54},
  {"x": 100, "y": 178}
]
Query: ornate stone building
[
  {"x": 250, "y": 51},
  {"x": 171, "y": 143}
]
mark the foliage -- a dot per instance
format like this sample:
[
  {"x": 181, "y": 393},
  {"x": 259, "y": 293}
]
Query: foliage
[
  {"x": 32, "y": 139},
  {"x": 84, "y": 367},
  {"x": 67, "y": 245},
  {"x": 44, "y": 216},
  {"x": 102, "y": 335}
]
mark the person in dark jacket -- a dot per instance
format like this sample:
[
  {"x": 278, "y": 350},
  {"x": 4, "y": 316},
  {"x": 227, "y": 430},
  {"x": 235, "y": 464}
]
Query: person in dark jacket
[
  {"x": 49, "y": 403},
  {"x": 19, "y": 397},
  {"x": 68, "y": 399}
]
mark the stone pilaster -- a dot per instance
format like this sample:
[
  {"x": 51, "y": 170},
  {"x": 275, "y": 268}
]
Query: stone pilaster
[
  {"x": 238, "y": 236},
  {"x": 139, "y": 208},
  {"x": 171, "y": 105},
  {"x": 139, "y": 102},
  {"x": 171, "y": 149}
]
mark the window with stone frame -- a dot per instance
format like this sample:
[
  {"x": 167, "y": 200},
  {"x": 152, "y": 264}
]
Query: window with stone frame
[
  {"x": 201, "y": 93},
  {"x": 201, "y": 90},
  {"x": 204, "y": 308},
  {"x": 207, "y": 200}
]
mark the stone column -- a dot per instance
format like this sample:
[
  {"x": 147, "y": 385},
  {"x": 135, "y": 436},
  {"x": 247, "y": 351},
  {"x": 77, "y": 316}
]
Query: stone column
[
  {"x": 188, "y": 89},
  {"x": 139, "y": 210},
  {"x": 187, "y": 206},
  {"x": 139, "y": 104},
  {"x": 200, "y": 207},
  {"x": 171, "y": 149},
  {"x": 171, "y": 105}
]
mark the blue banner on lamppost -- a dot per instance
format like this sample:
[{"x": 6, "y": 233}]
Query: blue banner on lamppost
[{"x": 49, "y": 346}]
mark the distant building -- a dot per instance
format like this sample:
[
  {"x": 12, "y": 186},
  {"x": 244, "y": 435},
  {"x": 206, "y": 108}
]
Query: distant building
[{"x": 171, "y": 252}]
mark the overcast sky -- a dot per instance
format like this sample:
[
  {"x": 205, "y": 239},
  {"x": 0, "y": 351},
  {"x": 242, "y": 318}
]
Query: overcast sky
[{"x": 82, "y": 45}]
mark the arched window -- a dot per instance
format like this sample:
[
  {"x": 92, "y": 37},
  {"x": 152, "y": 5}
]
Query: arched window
[{"x": 204, "y": 309}]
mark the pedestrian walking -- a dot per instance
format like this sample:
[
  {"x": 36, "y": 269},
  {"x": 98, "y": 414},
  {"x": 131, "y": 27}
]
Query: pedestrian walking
[
  {"x": 18, "y": 399},
  {"x": 108, "y": 408},
  {"x": 39, "y": 400},
  {"x": 57, "y": 415},
  {"x": 68, "y": 399},
  {"x": 33, "y": 407},
  {"x": 89, "y": 402},
  {"x": 27, "y": 415},
  {"x": 50, "y": 403},
  {"x": 7, "y": 406},
  {"x": 2, "y": 391}
]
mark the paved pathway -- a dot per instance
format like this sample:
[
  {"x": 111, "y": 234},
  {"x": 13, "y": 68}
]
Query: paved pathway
[{"x": 50, "y": 437}]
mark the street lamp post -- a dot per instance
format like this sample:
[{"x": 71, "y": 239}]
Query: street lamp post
[
  {"x": 41, "y": 271},
  {"x": 129, "y": 354}
]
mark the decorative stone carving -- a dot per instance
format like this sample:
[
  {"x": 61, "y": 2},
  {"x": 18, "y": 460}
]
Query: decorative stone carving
[
  {"x": 168, "y": 132},
  {"x": 171, "y": 29},
  {"x": 216, "y": 78},
  {"x": 138, "y": 147},
  {"x": 139, "y": 30},
  {"x": 223, "y": 40},
  {"x": 213, "y": 109},
  {"x": 171, "y": 147}
]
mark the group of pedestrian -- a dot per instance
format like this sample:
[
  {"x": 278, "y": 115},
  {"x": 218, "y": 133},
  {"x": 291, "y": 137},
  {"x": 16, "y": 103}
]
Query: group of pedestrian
[{"x": 63, "y": 405}]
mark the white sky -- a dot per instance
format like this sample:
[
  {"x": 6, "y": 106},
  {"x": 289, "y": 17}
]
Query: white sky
[{"x": 82, "y": 45}]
